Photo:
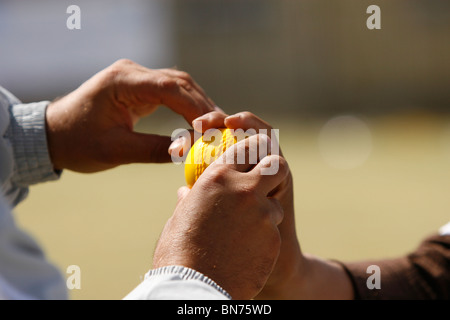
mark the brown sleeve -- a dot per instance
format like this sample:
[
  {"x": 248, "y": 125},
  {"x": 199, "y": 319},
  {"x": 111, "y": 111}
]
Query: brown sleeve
[{"x": 423, "y": 274}]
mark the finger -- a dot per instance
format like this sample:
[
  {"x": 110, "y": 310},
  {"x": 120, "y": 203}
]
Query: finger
[
  {"x": 246, "y": 120},
  {"x": 185, "y": 101},
  {"x": 181, "y": 146},
  {"x": 158, "y": 88},
  {"x": 144, "y": 148},
  {"x": 269, "y": 173},
  {"x": 140, "y": 87},
  {"x": 208, "y": 121},
  {"x": 186, "y": 77},
  {"x": 185, "y": 81},
  {"x": 245, "y": 154}
]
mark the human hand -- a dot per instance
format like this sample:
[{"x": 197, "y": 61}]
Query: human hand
[
  {"x": 91, "y": 129},
  {"x": 226, "y": 225},
  {"x": 290, "y": 260},
  {"x": 295, "y": 275}
]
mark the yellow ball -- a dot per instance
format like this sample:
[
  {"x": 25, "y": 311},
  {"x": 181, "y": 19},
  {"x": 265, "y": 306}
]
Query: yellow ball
[{"x": 205, "y": 151}]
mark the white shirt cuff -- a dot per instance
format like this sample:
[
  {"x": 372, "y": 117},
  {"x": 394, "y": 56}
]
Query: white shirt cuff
[
  {"x": 28, "y": 136},
  {"x": 177, "y": 283}
]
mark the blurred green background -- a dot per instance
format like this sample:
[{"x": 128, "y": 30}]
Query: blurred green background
[{"x": 363, "y": 119}]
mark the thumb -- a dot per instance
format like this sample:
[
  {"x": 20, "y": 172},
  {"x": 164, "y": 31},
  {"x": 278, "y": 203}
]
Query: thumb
[{"x": 144, "y": 148}]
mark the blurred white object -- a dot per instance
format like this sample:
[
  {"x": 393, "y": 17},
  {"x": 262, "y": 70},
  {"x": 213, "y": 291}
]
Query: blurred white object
[
  {"x": 40, "y": 56},
  {"x": 345, "y": 142},
  {"x": 445, "y": 230}
]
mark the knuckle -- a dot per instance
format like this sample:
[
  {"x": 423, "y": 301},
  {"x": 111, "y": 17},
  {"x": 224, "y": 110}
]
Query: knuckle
[
  {"x": 122, "y": 64},
  {"x": 184, "y": 76},
  {"x": 264, "y": 138},
  {"x": 117, "y": 68},
  {"x": 261, "y": 142},
  {"x": 248, "y": 192},
  {"x": 111, "y": 73},
  {"x": 264, "y": 146},
  {"x": 246, "y": 115},
  {"x": 248, "y": 196},
  {"x": 216, "y": 175},
  {"x": 166, "y": 83},
  {"x": 184, "y": 84},
  {"x": 249, "y": 117}
]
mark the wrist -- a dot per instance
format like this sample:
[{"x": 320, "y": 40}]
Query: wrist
[
  {"x": 58, "y": 135},
  {"x": 52, "y": 139},
  {"x": 312, "y": 279},
  {"x": 324, "y": 280},
  {"x": 290, "y": 283}
]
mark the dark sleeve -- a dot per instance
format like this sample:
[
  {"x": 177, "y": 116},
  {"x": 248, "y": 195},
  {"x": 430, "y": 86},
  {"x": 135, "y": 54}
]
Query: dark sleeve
[{"x": 423, "y": 274}]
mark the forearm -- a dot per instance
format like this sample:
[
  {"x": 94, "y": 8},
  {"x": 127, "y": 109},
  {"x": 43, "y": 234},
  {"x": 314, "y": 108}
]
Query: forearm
[{"x": 423, "y": 274}]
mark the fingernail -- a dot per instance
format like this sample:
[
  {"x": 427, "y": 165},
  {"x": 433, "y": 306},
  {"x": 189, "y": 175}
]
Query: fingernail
[
  {"x": 178, "y": 144},
  {"x": 197, "y": 125},
  {"x": 233, "y": 116}
]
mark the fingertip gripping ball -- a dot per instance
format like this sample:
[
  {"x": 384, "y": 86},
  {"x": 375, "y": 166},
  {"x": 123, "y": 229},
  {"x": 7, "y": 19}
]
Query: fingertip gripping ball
[{"x": 205, "y": 151}]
